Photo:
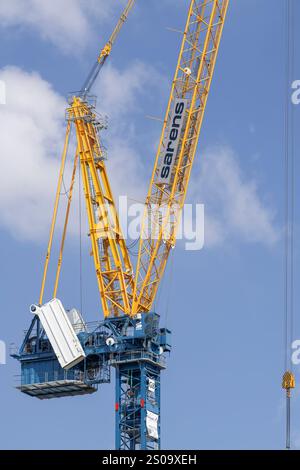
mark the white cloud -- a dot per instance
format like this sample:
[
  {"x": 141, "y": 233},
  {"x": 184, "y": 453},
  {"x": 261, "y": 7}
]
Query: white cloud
[
  {"x": 233, "y": 206},
  {"x": 120, "y": 90},
  {"x": 31, "y": 134},
  {"x": 66, "y": 23}
]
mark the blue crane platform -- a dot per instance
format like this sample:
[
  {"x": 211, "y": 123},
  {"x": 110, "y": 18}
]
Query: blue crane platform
[{"x": 134, "y": 347}]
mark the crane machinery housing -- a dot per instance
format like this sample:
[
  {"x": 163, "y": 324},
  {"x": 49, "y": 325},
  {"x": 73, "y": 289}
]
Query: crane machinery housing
[{"x": 62, "y": 355}]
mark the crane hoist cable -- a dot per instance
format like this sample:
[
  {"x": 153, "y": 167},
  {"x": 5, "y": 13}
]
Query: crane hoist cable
[
  {"x": 288, "y": 381},
  {"x": 80, "y": 241}
]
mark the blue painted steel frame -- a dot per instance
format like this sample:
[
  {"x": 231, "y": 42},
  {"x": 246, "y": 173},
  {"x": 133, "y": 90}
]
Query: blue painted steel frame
[
  {"x": 134, "y": 398},
  {"x": 134, "y": 347}
]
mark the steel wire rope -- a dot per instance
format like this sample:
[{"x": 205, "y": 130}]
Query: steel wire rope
[
  {"x": 80, "y": 242},
  {"x": 289, "y": 209}
]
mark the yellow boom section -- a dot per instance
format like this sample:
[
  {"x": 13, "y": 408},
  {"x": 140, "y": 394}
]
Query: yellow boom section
[
  {"x": 107, "y": 49},
  {"x": 113, "y": 267},
  {"x": 178, "y": 144}
]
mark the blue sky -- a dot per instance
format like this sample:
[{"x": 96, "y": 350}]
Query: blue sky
[{"x": 224, "y": 304}]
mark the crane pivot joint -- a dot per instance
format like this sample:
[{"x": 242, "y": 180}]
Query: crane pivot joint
[{"x": 105, "y": 51}]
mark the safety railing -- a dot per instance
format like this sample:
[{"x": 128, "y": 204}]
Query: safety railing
[{"x": 134, "y": 356}]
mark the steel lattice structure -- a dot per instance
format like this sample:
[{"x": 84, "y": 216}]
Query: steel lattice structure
[{"x": 192, "y": 81}]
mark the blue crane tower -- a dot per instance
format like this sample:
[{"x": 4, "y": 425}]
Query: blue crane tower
[{"x": 62, "y": 355}]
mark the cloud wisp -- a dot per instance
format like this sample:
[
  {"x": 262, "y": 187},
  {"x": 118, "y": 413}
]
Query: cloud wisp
[
  {"x": 64, "y": 23},
  {"x": 234, "y": 208}
]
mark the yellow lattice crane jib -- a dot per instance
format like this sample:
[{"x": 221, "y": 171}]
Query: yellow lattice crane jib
[{"x": 174, "y": 160}]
